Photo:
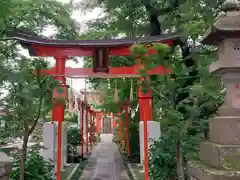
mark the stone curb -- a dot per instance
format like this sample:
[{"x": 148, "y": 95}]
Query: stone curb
[
  {"x": 73, "y": 172},
  {"x": 132, "y": 171}
]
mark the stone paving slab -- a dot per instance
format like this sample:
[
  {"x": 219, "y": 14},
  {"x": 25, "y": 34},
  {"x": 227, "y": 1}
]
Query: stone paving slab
[{"x": 105, "y": 163}]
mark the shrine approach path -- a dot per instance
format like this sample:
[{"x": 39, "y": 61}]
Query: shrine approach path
[{"x": 105, "y": 163}]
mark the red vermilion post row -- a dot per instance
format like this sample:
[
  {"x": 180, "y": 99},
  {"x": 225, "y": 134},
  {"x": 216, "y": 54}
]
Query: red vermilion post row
[
  {"x": 145, "y": 115},
  {"x": 93, "y": 115},
  {"x": 63, "y": 49}
]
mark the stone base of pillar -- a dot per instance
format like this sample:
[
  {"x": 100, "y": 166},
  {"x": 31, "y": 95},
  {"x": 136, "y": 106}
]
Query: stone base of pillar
[
  {"x": 154, "y": 133},
  {"x": 200, "y": 171},
  {"x": 50, "y": 142},
  {"x": 219, "y": 158}
]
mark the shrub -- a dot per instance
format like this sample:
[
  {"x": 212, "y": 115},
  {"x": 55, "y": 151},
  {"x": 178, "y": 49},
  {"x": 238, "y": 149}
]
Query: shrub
[
  {"x": 162, "y": 162},
  {"x": 74, "y": 136},
  {"x": 134, "y": 135},
  {"x": 35, "y": 167},
  {"x": 134, "y": 140}
]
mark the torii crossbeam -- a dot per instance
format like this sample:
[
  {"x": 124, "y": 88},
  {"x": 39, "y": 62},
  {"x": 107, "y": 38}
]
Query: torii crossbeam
[{"x": 114, "y": 72}]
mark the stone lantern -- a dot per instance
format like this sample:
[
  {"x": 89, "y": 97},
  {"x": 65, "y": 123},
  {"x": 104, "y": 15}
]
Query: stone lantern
[{"x": 220, "y": 157}]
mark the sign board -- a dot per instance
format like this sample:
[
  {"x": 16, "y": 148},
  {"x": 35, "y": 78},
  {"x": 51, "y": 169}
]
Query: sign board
[{"x": 101, "y": 60}]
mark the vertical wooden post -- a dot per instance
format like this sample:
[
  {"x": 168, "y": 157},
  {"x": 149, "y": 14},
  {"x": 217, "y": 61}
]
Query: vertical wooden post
[
  {"x": 100, "y": 123},
  {"x": 80, "y": 115},
  {"x": 59, "y": 152},
  {"x": 145, "y": 105},
  {"x": 79, "y": 120},
  {"x": 87, "y": 111},
  {"x": 127, "y": 129},
  {"x": 91, "y": 128},
  {"x": 94, "y": 125},
  {"x": 120, "y": 130},
  {"x": 82, "y": 130},
  {"x": 112, "y": 119},
  {"x": 58, "y": 111}
]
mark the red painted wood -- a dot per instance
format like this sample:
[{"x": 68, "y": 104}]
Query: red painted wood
[
  {"x": 58, "y": 112},
  {"x": 112, "y": 119},
  {"x": 61, "y": 72},
  {"x": 98, "y": 121},
  {"x": 114, "y": 72},
  {"x": 59, "y": 152},
  {"x": 91, "y": 128},
  {"x": 120, "y": 130},
  {"x": 87, "y": 113},
  {"x": 82, "y": 130},
  {"x": 145, "y": 104}
]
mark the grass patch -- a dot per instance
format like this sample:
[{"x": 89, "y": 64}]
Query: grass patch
[
  {"x": 68, "y": 171},
  {"x": 79, "y": 170},
  {"x": 128, "y": 171},
  {"x": 136, "y": 169}
]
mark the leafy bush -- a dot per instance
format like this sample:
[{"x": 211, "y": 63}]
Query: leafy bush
[
  {"x": 74, "y": 136},
  {"x": 163, "y": 155},
  {"x": 70, "y": 118},
  {"x": 134, "y": 135},
  {"x": 35, "y": 167}
]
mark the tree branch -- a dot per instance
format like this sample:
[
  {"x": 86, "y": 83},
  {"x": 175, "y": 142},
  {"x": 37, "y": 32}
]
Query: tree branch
[{"x": 35, "y": 121}]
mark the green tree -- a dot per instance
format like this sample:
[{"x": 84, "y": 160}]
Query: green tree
[
  {"x": 35, "y": 166},
  {"x": 184, "y": 101},
  {"x": 74, "y": 136},
  {"x": 29, "y": 97}
]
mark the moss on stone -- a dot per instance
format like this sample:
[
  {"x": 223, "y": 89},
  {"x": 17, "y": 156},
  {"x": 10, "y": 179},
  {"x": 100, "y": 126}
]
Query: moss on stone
[
  {"x": 231, "y": 162},
  {"x": 205, "y": 169}
]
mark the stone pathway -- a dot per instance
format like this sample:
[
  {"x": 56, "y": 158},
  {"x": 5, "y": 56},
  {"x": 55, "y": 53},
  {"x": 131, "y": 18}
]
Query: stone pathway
[{"x": 105, "y": 162}]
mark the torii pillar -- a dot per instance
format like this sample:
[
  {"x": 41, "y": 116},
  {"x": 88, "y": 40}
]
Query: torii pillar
[
  {"x": 58, "y": 108},
  {"x": 98, "y": 122}
]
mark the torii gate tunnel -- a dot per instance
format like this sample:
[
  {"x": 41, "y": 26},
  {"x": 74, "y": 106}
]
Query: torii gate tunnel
[{"x": 100, "y": 50}]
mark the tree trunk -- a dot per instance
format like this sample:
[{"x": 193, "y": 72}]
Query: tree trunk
[
  {"x": 180, "y": 164},
  {"x": 23, "y": 155}
]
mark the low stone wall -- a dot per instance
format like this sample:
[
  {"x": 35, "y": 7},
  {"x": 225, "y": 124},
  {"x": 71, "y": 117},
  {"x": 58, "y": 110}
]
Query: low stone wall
[
  {"x": 5, "y": 166},
  {"x": 5, "y": 170}
]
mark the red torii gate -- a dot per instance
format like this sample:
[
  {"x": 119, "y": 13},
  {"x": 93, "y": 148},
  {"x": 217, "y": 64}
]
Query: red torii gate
[
  {"x": 93, "y": 114},
  {"x": 100, "y": 50}
]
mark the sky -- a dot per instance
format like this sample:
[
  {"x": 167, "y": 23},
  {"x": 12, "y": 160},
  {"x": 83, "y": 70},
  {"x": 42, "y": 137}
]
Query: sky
[{"x": 82, "y": 18}]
